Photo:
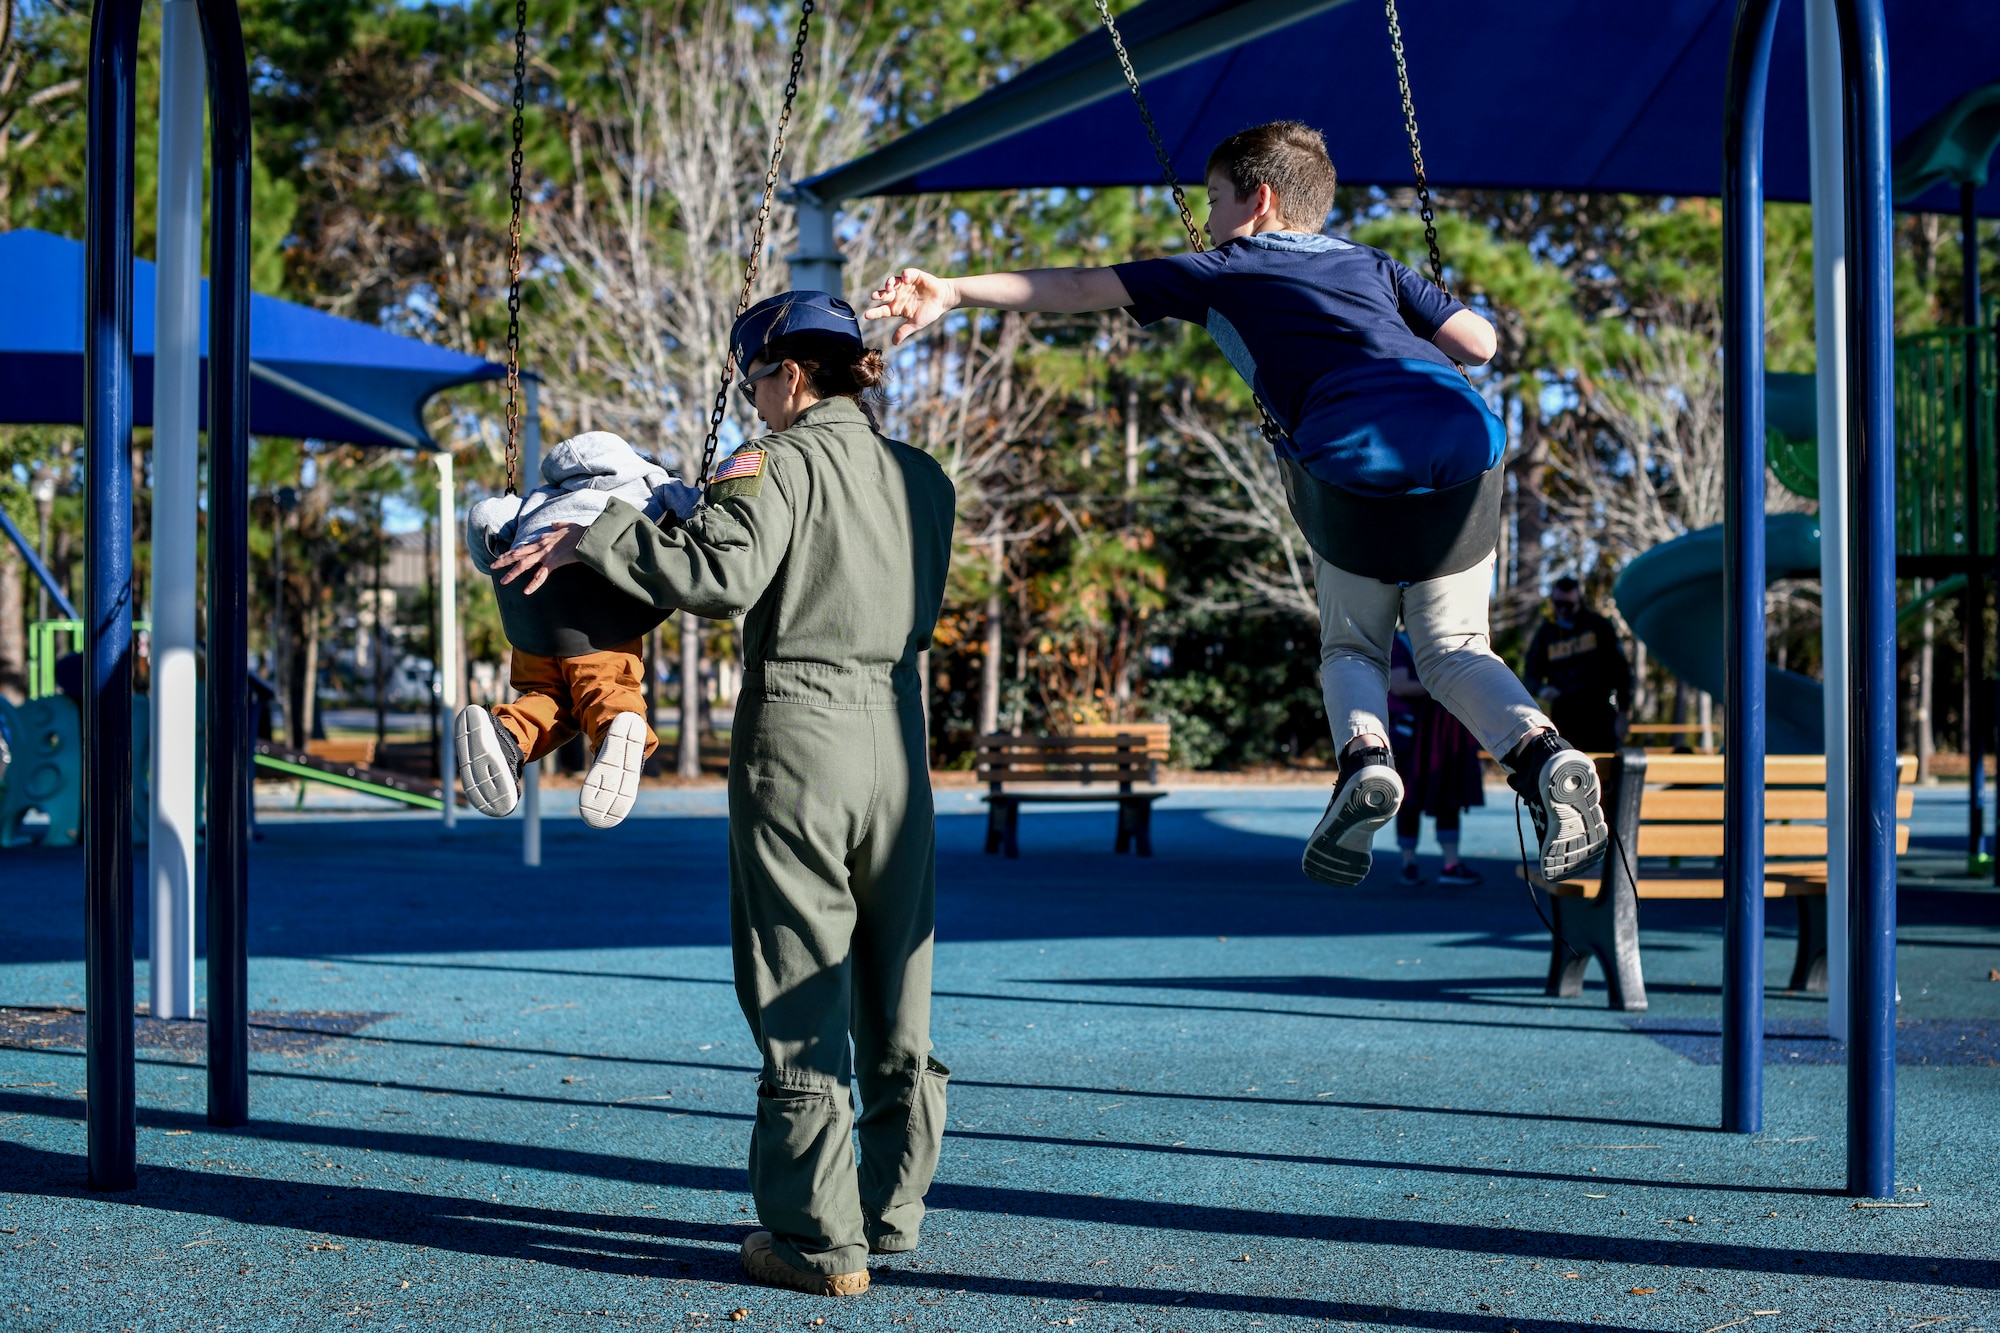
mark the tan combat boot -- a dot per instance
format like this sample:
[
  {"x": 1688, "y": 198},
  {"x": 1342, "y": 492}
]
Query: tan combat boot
[{"x": 767, "y": 1269}]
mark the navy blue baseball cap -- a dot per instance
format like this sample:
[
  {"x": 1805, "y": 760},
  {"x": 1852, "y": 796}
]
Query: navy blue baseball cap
[{"x": 787, "y": 313}]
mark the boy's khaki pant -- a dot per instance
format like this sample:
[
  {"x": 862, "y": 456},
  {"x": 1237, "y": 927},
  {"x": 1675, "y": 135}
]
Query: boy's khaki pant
[
  {"x": 561, "y": 696},
  {"x": 1449, "y": 637},
  {"x": 832, "y": 892}
]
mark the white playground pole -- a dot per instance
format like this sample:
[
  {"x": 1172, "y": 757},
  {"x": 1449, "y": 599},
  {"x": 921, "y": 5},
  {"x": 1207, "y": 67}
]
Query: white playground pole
[
  {"x": 531, "y": 774},
  {"x": 1829, "y": 225},
  {"x": 447, "y": 648},
  {"x": 176, "y": 487}
]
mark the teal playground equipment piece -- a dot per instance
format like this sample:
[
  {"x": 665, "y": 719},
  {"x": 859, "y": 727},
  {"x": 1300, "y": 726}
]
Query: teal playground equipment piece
[
  {"x": 44, "y": 777},
  {"x": 55, "y": 789},
  {"x": 1672, "y": 598},
  {"x": 1672, "y": 595}
]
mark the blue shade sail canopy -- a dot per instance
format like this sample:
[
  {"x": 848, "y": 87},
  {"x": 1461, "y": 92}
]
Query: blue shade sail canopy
[
  {"x": 313, "y": 375},
  {"x": 1601, "y": 95}
]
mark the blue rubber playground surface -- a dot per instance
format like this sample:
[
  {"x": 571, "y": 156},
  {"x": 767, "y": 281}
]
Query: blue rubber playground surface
[{"x": 1195, "y": 1092}]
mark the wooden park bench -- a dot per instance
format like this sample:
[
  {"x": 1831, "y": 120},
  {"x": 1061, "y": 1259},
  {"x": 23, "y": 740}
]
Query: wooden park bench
[
  {"x": 359, "y": 751},
  {"x": 1067, "y": 761},
  {"x": 1666, "y": 810}
]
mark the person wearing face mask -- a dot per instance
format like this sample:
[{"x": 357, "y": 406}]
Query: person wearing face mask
[
  {"x": 832, "y": 541},
  {"x": 1577, "y": 670}
]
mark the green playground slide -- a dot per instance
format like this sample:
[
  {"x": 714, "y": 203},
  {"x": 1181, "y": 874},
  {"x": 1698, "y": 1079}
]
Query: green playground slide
[
  {"x": 1672, "y": 595},
  {"x": 1672, "y": 598}
]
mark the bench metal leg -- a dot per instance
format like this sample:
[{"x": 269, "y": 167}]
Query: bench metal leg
[
  {"x": 1566, "y": 965},
  {"x": 1606, "y": 925},
  {"x": 1142, "y": 826},
  {"x": 1122, "y": 843},
  {"x": 1809, "y": 967},
  {"x": 995, "y": 821},
  {"x": 1010, "y": 832}
]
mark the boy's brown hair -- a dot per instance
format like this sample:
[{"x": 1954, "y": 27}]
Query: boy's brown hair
[{"x": 1287, "y": 156}]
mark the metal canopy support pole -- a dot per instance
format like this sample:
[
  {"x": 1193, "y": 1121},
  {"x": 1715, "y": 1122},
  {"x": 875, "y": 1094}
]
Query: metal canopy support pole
[
  {"x": 1975, "y": 512},
  {"x": 816, "y": 264},
  {"x": 531, "y": 774},
  {"x": 447, "y": 653},
  {"x": 1974, "y": 615},
  {"x": 176, "y": 497},
  {"x": 1743, "y": 569},
  {"x": 229, "y": 572},
  {"x": 1871, "y": 846},
  {"x": 1829, "y": 230},
  {"x": 109, "y": 1126}
]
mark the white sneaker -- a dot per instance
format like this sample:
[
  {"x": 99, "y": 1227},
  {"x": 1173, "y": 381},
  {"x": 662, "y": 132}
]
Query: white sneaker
[
  {"x": 489, "y": 763},
  {"x": 613, "y": 781}
]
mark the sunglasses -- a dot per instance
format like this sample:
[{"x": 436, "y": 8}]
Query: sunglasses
[{"x": 748, "y": 387}]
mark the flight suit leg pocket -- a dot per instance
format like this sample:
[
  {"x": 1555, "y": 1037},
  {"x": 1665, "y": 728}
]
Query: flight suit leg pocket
[
  {"x": 896, "y": 1210},
  {"x": 802, "y": 1175}
]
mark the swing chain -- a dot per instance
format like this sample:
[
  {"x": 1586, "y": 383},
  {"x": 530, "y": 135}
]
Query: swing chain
[
  {"x": 514, "y": 247},
  {"x": 1152, "y": 130},
  {"x": 1273, "y": 432},
  {"x": 1416, "y": 147},
  {"x": 750, "y": 265}
]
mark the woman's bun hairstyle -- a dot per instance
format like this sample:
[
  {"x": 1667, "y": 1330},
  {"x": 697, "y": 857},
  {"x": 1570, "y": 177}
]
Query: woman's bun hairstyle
[{"x": 835, "y": 367}]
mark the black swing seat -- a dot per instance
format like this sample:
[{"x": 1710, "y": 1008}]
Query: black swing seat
[
  {"x": 1398, "y": 538},
  {"x": 578, "y": 611}
]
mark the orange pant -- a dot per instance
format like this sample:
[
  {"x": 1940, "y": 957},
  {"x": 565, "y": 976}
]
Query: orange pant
[{"x": 561, "y": 696}]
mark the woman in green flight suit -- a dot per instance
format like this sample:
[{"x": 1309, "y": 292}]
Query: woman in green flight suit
[{"x": 834, "y": 540}]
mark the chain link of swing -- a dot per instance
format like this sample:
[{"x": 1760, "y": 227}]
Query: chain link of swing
[
  {"x": 1273, "y": 432},
  {"x": 514, "y": 246},
  {"x": 1152, "y": 130},
  {"x": 1268, "y": 424},
  {"x": 1416, "y": 147},
  {"x": 750, "y": 265}
]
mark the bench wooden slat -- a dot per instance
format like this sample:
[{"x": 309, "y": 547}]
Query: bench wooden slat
[
  {"x": 1157, "y": 735},
  {"x": 1024, "y": 772},
  {"x": 1779, "y": 839},
  {"x": 1788, "y": 886},
  {"x": 1071, "y": 797},
  {"x": 1045, "y": 744},
  {"x": 1697, "y": 804},
  {"x": 1780, "y": 770},
  {"x": 343, "y": 751}
]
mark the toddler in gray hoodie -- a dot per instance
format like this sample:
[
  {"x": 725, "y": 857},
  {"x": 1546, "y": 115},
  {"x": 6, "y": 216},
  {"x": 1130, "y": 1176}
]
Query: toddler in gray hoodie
[{"x": 577, "y": 644}]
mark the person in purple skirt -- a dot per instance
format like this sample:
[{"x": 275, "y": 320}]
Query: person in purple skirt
[{"x": 1438, "y": 761}]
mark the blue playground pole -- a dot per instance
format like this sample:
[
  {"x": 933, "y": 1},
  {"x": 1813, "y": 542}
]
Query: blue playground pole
[
  {"x": 1871, "y": 701},
  {"x": 229, "y": 761},
  {"x": 1743, "y": 569},
  {"x": 109, "y": 1125}
]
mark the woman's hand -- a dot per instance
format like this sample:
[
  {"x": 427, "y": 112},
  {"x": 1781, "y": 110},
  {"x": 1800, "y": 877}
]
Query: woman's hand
[
  {"x": 542, "y": 556},
  {"x": 917, "y": 298}
]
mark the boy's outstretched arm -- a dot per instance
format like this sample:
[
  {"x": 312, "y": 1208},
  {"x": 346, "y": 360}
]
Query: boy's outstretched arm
[
  {"x": 919, "y": 299},
  {"x": 1467, "y": 339}
]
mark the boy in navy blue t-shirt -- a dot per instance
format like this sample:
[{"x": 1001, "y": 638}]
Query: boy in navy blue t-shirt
[{"x": 1353, "y": 356}]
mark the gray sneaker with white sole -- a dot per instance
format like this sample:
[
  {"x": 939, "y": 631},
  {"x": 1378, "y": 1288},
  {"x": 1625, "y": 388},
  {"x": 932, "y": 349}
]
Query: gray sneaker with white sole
[
  {"x": 1367, "y": 796},
  {"x": 1559, "y": 785}
]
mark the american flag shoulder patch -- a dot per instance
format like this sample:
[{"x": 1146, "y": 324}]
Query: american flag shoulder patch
[{"x": 741, "y": 466}]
